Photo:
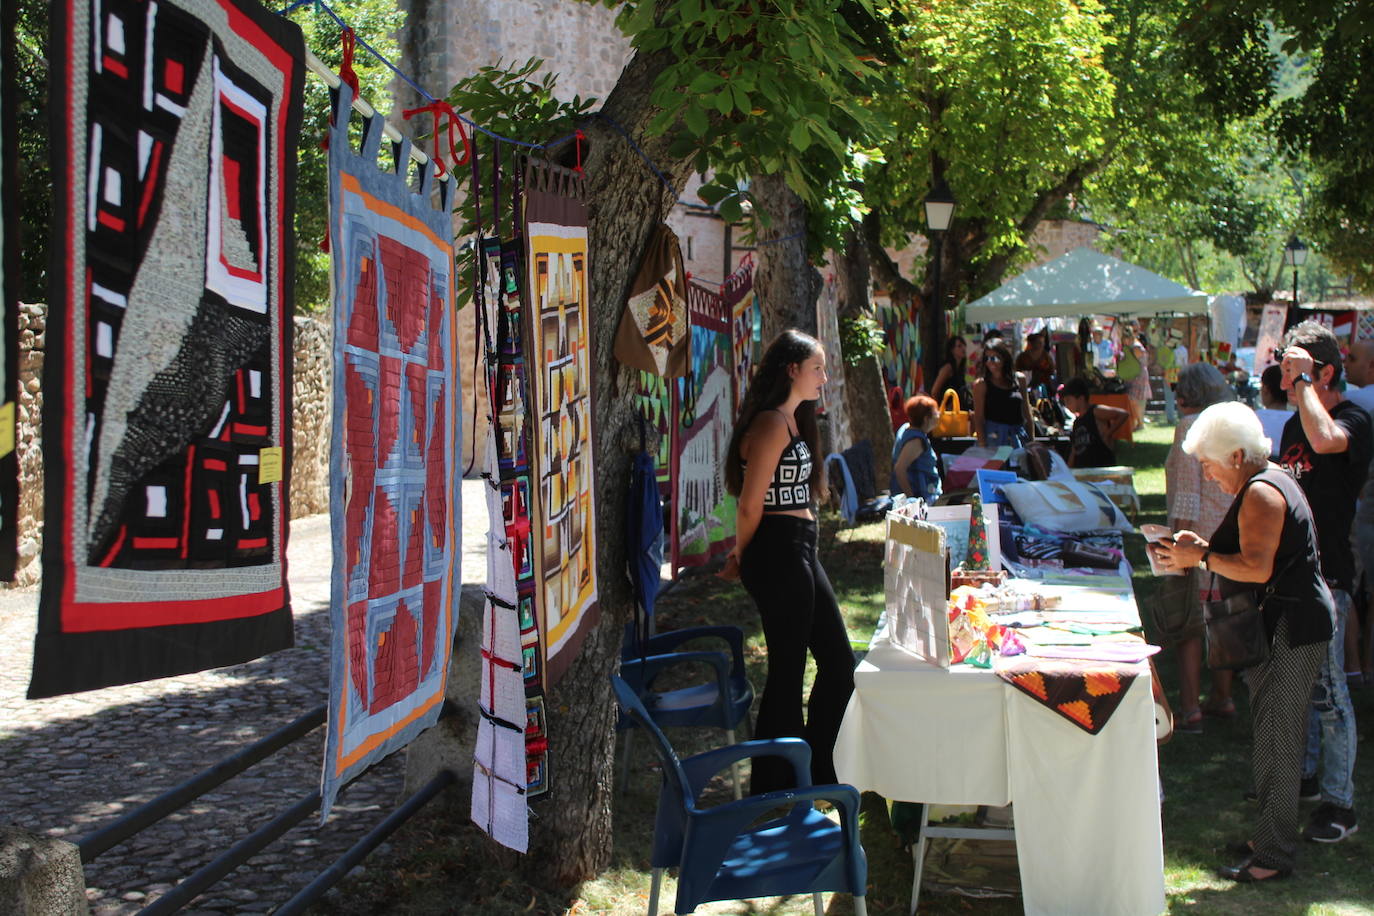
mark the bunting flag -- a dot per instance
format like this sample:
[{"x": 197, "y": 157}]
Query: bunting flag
[
  {"x": 703, "y": 512},
  {"x": 9, "y": 296},
  {"x": 564, "y": 520},
  {"x": 167, "y": 434},
  {"x": 394, "y": 463}
]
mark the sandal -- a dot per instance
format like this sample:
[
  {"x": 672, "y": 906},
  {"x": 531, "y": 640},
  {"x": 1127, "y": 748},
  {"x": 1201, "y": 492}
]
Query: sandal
[
  {"x": 1244, "y": 872},
  {"x": 1226, "y": 709},
  {"x": 1189, "y": 723}
]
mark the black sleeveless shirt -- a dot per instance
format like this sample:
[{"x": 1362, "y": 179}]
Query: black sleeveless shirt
[
  {"x": 1089, "y": 449},
  {"x": 1297, "y": 564}
]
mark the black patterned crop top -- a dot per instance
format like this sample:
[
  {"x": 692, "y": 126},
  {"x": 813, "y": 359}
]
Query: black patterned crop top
[{"x": 791, "y": 485}]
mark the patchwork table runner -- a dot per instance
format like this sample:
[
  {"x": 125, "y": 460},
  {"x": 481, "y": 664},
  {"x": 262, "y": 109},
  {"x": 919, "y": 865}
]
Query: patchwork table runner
[
  {"x": 168, "y": 377},
  {"x": 394, "y": 463},
  {"x": 1084, "y": 692}
]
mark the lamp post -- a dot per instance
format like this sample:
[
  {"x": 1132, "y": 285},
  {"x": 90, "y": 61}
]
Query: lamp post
[
  {"x": 939, "y": 206},
  {"x": 1294, "y": 256}
]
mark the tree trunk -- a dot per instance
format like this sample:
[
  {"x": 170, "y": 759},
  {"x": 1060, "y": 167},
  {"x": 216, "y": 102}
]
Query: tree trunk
[
  {"x": 570, "y": 841},
  {"x": 865, "y": 399},
  {"x": 786, "y": 283}
]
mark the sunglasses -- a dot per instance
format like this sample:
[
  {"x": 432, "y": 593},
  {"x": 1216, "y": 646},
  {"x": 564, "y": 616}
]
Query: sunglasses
[
  {"x": 1278, "y": 357},
  {"x": 993, "y": 359}
]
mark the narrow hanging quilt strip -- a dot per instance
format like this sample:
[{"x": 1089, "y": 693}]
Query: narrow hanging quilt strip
[
  {"x": 560, "y": 366},
  {"x": 703, "y": 512},
  {"x": 394, "y": 462},
  {"x": 740, "y": 295},
  {"x": 655, "y": 405},
  {"x": 9, "y": 295},
  {"x": 168, "y": 380}
]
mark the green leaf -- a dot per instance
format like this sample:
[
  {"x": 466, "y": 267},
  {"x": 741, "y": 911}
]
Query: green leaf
[
  {"x": 705, "y": 82},
  {"x": 730, "y": 210},
  {"x": 714, "y": 193},
  {"x": 800, "y": 136},
  {"x": 725, "y": 101},
  {"x": 695, "y": 118}
]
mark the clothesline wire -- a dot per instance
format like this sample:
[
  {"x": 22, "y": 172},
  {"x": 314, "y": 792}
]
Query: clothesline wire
[{"x": 322, "y": 6}]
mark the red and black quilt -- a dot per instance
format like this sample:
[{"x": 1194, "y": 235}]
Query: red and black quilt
[
  {"x": 167, "y": 384},
  {"x": 9, "y": 294}
]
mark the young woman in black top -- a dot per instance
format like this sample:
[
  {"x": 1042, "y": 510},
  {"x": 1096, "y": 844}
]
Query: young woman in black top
[
  {"x": 954, "y": 373},
  {"x": 771, "y": 469},
  {"x": 1001, "y": 408}
]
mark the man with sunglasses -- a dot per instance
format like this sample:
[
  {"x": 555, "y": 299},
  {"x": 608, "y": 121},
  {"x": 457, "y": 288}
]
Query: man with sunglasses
[{"x": 1327, "y": 446}]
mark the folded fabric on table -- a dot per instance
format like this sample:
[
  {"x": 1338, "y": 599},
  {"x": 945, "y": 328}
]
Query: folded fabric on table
[{"x": 1084, "y": 692}]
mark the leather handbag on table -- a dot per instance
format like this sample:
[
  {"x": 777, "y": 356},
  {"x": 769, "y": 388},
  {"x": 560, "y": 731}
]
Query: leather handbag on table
[
  {"x": 1236, "y": 635},
  {"x": 953, "y": 421}
]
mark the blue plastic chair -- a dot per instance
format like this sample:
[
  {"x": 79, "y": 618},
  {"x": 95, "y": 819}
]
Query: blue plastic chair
[
  {"x": 722, "y": 700},
  {"x": 724, "y": 853}
]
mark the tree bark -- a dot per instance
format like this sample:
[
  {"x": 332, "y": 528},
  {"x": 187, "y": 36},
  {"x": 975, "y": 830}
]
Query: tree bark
[
  {"x": 570, "y": 840},
  {"x": 865, "y": 399},
  {"x": 786, "y": 283}
]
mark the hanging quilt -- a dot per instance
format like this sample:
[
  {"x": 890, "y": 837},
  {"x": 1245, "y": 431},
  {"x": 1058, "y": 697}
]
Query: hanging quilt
[
  {"x": 652, "y": 335},
  {"x": 742, "y": 300},
  {"x": 655, "y": 405},
  {"x": 168, "y": 379},
  {"x": 9, "y": 296},
  {"x": 394, "y": 463},
  {"x": 564, "y": 521},
  {"x": 902, "y": 349},
  {"x": 703, "y": 512}
]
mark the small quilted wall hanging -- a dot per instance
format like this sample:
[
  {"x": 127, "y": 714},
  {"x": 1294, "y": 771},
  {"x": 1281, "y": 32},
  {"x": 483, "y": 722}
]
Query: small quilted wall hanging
[
  {"x": 742, "y": 300},
  {"x": 703, "y": 512},
  {"x": 564, "y": 520},
  {"x": 655, "y": 405},
  {"x": 9, "y": 296},
  {"x": 652, "y": 335},
  {"x": 167, "y": 431},
  {"x": 394, "y": 463}
]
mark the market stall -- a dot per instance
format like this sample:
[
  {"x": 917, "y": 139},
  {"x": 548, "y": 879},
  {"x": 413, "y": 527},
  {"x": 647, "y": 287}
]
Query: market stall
[{"x": 1030, "y": 691}]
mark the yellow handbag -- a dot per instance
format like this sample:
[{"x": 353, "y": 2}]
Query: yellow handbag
[{"x": 953, "y": 421}]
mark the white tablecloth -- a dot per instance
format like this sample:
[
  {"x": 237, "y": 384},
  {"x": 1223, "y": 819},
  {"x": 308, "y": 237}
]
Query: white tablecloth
[{"x": 1087, "y": 806}]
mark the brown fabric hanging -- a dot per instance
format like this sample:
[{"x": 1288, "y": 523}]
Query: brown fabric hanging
[{"x": 653, "y": 333}]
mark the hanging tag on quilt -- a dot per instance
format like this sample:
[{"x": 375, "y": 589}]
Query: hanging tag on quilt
[
  {"x": 270, "y": 465},
  {"x": 6, "y": 428}
]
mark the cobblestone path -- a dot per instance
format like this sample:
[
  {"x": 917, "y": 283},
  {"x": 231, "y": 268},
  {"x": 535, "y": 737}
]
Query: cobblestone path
[{"x": 70, "y": 765}]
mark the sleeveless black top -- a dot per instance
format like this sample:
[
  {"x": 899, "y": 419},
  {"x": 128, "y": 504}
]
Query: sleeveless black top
[
  {"x": 790, "y": 487},
  {"x": 1003, "y": 405},
  {"x": 1310, "y": 610},
  {"x": 1089, "y": 449}
]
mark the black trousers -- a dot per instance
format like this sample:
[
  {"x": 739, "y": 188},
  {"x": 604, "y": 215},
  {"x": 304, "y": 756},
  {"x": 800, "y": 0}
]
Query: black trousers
[{"x": 783, "y": 575}]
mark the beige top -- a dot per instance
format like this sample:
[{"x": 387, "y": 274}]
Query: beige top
[{"x": 1188, "y": 493}]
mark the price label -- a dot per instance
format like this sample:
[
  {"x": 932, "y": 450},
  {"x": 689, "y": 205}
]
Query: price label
[{"x": 270, "y": 465}]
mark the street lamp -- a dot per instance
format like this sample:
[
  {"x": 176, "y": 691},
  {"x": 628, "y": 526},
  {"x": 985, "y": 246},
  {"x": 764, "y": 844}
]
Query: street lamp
[
  {"x": 939, "y": 206},
  {"x": 1294, "y": 256}
]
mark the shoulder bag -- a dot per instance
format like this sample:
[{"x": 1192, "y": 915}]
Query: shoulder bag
[{"x": 1236, "y": 635}]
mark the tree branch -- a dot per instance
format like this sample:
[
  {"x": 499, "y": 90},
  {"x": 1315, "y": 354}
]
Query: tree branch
[{"x": 884, "y": 268}]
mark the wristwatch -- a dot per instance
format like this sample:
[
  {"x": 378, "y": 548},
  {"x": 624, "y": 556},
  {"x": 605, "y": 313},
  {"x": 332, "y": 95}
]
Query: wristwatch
[
  {"x": 1202, "y": 561},
  {"x": 1303, "y": 377}
]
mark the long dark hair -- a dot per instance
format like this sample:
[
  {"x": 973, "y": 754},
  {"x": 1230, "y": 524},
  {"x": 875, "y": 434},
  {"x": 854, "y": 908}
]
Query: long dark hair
[
  {"x": 1003, "y": 351},
  {"x": 770, "y": 387},
  {"x": 961, "y": 366}
]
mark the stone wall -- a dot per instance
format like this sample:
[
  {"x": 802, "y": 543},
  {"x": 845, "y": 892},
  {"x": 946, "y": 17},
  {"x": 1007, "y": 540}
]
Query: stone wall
[{"x": 311, "y": 419}]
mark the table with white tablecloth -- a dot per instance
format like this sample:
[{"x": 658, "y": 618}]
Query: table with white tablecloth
[{"x": 1086, "y": 809}]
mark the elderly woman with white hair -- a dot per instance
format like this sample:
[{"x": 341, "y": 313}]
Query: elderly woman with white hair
[
  {"x": 1267, "y": 540},
  {"x": 1196, "y": 504}
]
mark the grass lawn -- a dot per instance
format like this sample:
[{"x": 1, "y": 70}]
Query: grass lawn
[{"x": 440, "y": 863}]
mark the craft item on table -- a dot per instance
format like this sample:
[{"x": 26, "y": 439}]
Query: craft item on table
[
  {"x": 915, "y": 586},
  {"x": 977, "y": 557},
  {"x": 990, "y": 483},
  {"x": 652, "y": 336},
  {"x": 995, "y": 641},
  {"x": 167, "y": 424},
  {"x": 1006, "y": 599},
  {"x": 1064, "y": 505},
  {"x": 703, "y": 512},
  {"x": 9, "y": 294},
  {"x": 1100, "y": 650},
  {"x": 960, "y": 469},
  {"x": 559, "y": 335},
  {"x": 1032, "y": 552},
  {"x": 967, "y": 628},
  {"x": 955, "y": 520},
  {"x": 655, "y": 406},
  {"x": 742, "y": 300},
  {"x": 1085, "y": 693},
  {"x": 397, "y": 417}
]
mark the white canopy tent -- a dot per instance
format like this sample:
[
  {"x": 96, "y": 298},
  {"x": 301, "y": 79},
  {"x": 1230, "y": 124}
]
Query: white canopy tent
[{"x": 1085, "y": 282}]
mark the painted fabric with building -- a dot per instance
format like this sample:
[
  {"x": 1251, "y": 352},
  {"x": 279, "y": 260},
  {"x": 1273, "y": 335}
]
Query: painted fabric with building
[
  {"x": 168, "y": 376},
  {"x": 393, "y": 467},
  {"x": 703, "y": 512},
  {"x": 9, "y": 296},
  {"x": 564, "y": 517}
]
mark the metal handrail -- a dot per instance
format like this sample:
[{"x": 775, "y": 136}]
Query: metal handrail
[{"x": 179, "y": 796}]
